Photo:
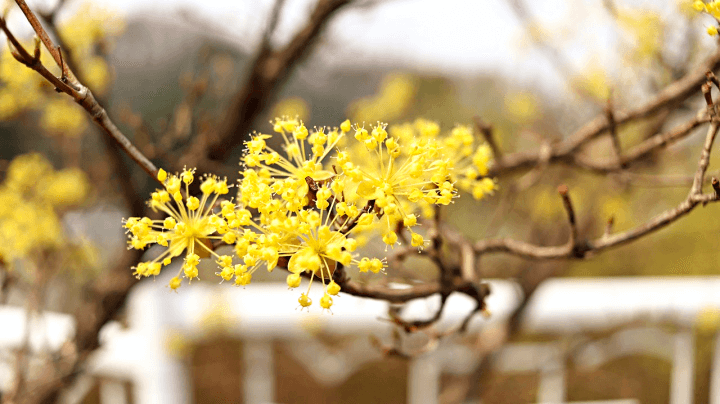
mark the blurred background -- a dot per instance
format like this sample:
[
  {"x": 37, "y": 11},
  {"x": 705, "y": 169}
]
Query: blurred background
[{"x": 633, "y": 324}]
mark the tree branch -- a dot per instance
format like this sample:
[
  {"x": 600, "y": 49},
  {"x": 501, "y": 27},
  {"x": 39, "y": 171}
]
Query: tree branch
[
  {"x": 670, "y": 96},
  {"x": 695, "y": 197},
  {"x": 267, "y": 73},
  {"x": 81, "y": 94},
  {"x": 643, "y": 149}
]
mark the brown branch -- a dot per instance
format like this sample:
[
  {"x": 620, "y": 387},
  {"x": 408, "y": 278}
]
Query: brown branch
[
  {"x": 609, "y": 226},
  {"x": 695, "y": 197},
  {"x": 704, "y": 158},
  {"x": 415, "y": 325},
  {"x": 67, "y": 62},
  {"x": 643, "y": 149},
  {"x": 447, "y": 275},
  {"x": 22, "y": 56},
  {"x": 657, "y": 181},
  {"x": 389, "y": 294},
  {"x": 487, "y": 132},
  {"x": 612, "y": 129},
  {"x": 135, "y": 203},
  {"x": 54, "y": 52},
  {"x": 109, "y": 292},
  {"x": 81, "y": 94},
  {"x": 567, "y": 204},
  {"x": 403, "y": 295},
  {"x": 670, "y": 96}
]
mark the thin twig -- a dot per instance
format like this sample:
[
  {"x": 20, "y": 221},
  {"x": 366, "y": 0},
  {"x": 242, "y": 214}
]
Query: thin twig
[
  {"x": 38, "y": 28},
  {"x": 645, "y": 148},
  {"x": 704, "y": 158},
  {"x": 612, "y": 129},
  {"x": 487, "y": 132},
  {"x": 567, "y": 204},
  {"x": 609, "y": 226}
]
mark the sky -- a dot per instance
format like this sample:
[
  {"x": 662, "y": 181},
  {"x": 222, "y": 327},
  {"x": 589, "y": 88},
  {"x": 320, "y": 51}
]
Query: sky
[{"x": 451, "y": 36}]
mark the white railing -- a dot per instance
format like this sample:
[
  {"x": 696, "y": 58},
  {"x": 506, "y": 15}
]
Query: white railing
[{"x": 263, "y": 313}]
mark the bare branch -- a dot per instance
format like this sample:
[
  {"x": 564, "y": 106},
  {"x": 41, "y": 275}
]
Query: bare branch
[
  {"x": 37, "y": 27},
  {"x": 609, "y": 226},
  {"x": 643, "y": 149},
  {"x": 612, "y": 129},
  {"x": 694, "y": 198},
  {"x": 567, "y": 204},
  {"x": 670, "y": 96},
  {"x": 704, "y": 158},
  {"x": 81, "y": 94},
  {"x": 487, "y": 131}
]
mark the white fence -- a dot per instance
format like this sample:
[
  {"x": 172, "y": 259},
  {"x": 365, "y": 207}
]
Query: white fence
[{"x": 263, "y": 313}]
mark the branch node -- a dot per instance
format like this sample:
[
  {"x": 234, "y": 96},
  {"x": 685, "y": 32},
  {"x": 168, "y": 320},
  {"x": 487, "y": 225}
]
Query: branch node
[
  {"x": 36, "y": 54},
  {"x": 609, "y": 226},
  {"x": 705, "y": 88},
  {"x": 63, "y": 67},
  {"x": 612, "y": 129},
  {"x": 567, "y": 203},
  {"x": 712, "y": 78},
  {"x": 487, "y": 131},
  {"x": 14, "y": 52}
]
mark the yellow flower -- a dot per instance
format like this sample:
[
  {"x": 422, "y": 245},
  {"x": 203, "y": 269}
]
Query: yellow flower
[
  {"x": 190, "y": 227},
  {"x": 96, "y": 73},
  {"x": 522, "y": 107},
  {"x": 470, "y": 162},
  {"x": 400, "y": 182},
  {"x": 647, "y": 28},
  {"x": 31, "y": 199},
  {"x": 66, "y": 187},
  {"x": 292, "y": 106},
  {"x": 594, "y": 82},
  {"x": 303, "y": 154},
  {"x": 308, "y": 217},
  {"x": 316, "y": 241}
]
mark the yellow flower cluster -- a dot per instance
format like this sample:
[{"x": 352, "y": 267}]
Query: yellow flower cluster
[
  {"x": 467, "y": 161},
  {"x": 21, "y": 88},
  {"x": 190, "y": 227},
  {"x": 32, "y": 197},
  {"x": 63, "y": 117},
  {"x": 301, "y": 202},
  {"x": 712, "y": 8}
]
